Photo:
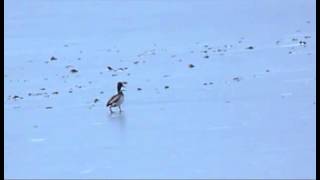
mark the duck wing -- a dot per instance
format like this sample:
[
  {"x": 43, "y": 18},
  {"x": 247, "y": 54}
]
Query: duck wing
[{"x": 113, "y": 99}]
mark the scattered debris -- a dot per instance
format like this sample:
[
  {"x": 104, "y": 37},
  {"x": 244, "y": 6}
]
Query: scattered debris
[
  {"x": 42, "y": 89},
  {"x": 48, "y": 107},
  {"x": 56, "y": 92},
  {"x": 191, "y": 66},
  {"x": 267, "y": 70},
  {"x": 302, "y": 42},
  {"x": 135, "y": 62},
  {"x": 35, "y": 94},
  {"x": 109, "y": 68},
  {"x": 113, "y": 74},
  {"x": 307, "y": 37},
  {"x": 101, "y": 92},
  {"x": 236, "y": 79},
  {"x": 53, "y": 58},
  {"x": 206, "y": 56},
  {"x": 73, "y": 71},
  {"x": 96, "y": 100},
  {"x": 139, "y": 89},
  {"x": 16, "y": 97},
  {"x": 166, "y": 87},
  {"x": 250, "y": 47},
  {"x": 207, "y": 83}
]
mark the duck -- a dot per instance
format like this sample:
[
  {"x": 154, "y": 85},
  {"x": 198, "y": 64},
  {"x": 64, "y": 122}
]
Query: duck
[{"x": 117, "y": 99}]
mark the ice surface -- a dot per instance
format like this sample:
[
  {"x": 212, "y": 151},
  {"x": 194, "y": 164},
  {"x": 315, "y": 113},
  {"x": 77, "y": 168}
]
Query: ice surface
[{"x": 240, "y": 113}]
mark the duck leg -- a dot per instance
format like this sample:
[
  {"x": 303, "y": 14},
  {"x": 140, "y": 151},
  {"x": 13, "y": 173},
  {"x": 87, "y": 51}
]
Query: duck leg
[
  {"x": 120, "y": 108},
  {"x": 110, "y": 109}
]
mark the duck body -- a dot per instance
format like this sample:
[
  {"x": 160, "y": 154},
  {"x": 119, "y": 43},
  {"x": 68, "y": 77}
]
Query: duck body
[{"x": 116, "y": 100}]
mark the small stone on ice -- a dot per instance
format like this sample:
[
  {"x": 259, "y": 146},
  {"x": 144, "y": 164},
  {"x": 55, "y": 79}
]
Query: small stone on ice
[
  {"x": 236, "y": 79},
  {"x": 53, "y": 58},
  {"x": 73, "y": 71}
]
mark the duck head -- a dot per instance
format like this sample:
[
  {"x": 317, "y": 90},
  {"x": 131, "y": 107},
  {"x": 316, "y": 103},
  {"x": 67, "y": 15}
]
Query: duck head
[{"x": 119, "y": 86}]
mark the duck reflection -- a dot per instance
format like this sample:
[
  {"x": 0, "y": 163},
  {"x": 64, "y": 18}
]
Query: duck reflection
[{"x": 118, "y": 118}]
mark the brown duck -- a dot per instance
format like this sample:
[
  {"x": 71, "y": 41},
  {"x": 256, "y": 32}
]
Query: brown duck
[{"x": 116, "y": 100}]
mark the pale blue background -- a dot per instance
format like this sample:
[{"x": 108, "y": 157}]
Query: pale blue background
[{"x": 267, "y": 130}]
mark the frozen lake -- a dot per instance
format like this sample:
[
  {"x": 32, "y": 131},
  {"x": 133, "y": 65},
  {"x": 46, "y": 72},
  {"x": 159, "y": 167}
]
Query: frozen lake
[{"x": 215, "y": 89}]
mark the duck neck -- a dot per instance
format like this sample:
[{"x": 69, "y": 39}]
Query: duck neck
[{"x": 120, "y": 92}]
